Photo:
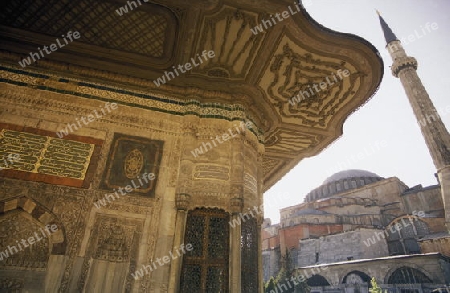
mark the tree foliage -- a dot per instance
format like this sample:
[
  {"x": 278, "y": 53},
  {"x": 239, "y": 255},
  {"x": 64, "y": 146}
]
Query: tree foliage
[{"x": 283, "y": 282}]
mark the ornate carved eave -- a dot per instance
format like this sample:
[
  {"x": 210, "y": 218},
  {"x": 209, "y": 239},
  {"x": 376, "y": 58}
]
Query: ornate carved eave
[{"x": 260, "y": 72}]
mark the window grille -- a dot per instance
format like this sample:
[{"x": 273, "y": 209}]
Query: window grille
[
  {"x": 249, "y": 256},
  {"x": 205, "y": 267}
]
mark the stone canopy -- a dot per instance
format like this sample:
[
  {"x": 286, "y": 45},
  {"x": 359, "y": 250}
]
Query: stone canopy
[{"x": 259, "y": 72}]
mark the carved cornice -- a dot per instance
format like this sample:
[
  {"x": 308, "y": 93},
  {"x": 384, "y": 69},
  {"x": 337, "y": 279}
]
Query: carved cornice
[{"x": 140, "y": 99}]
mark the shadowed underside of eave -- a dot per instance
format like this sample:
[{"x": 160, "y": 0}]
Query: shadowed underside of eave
[{"x": 259, "y": 72}]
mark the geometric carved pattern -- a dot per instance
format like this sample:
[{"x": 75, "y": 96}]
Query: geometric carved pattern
[
  {"x": 13, "y": 228},
  {"x": 143, "y": 30},
  {"x": 288, "y": 142},
  {"x": 205, "y": 267},
  {"x": 113, "y": 244},
  {"x": 11, "y": 285},
  {"x": 138, "y": 99},
  {"x": 228, "y": 34},
  {"x": 250, "y": 183},
  {"x": 115, "y": 240},
  {"x": 270, "y": 165},
  {"x": 294, "y": 69},
  {"x": 131, "y": 157}
]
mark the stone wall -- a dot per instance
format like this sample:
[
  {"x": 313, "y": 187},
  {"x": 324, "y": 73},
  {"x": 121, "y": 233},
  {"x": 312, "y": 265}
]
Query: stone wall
[
  {"x": 432, "y": 266},
  {"x": 341, "y": 247},
  {"x": 441, "y": 245}
]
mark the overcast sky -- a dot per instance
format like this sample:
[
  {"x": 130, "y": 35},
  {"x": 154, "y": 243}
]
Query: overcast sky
[{"x": 384, "y": 129}]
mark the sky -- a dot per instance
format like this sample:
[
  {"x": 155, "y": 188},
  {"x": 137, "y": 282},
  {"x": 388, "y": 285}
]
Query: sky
[{"x": 385, "y": 129}]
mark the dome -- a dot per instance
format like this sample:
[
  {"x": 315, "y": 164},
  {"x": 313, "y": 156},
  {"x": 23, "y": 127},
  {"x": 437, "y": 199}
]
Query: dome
[
  {"x": 349, "y": 174},
  {"x": 342, "y": 182}
]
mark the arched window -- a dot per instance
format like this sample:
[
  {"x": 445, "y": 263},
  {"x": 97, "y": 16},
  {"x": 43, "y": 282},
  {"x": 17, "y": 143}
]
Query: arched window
[
  {"x": 357, "y": 278},
  {"x": 403, "y": 234},
  {"x": 407, "y": 275},
  {"x": 317, "y": 280}
]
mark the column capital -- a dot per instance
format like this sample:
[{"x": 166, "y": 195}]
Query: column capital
[
  {"x": 182, "y": 201},
  {"x": 260, "y": 220},
  {"x": 236, "y": 204}
]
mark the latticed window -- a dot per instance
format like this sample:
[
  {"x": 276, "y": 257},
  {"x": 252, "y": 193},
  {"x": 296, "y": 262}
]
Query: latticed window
[
  {"x": 405, "y": 240},
  {"x": 407, "y": 231},
  {"x": 407, "y": 275},
  {"x": 205, "y": 268},
  {"x": 421, "y": 228},
  {"x": 395, "y": 248},
  {"x": 249, "y": 256}
]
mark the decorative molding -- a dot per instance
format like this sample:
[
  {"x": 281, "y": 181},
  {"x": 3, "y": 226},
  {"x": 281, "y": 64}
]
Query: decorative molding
[
  {"x": 133, "y": 98},
  {"x": 402, "y": 63}
]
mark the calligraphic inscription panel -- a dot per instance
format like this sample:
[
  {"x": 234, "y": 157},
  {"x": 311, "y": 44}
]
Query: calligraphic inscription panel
[
  {"x": 33, "y": 153},
  {"x": 131, "y": 160},
  {"x": 207, "y": 171}
]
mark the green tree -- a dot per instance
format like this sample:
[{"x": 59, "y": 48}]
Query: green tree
[
  {"x": 375, "y": 288},
  {"x": 270, "y": 285}
]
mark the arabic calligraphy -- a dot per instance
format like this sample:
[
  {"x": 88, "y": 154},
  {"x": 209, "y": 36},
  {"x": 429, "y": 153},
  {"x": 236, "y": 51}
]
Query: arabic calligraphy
[{"x": 46, "y": 155}]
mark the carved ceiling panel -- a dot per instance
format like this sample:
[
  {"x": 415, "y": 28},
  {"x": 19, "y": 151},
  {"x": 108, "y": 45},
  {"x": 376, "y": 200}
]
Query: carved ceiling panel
[
  {"x": 228, "y": 34},
  {"x": 146, "y": 30},
  {"x": 285, "y": 142},
  {"x": 307, "y": 87},
  {"x": 270, "y": 165}
]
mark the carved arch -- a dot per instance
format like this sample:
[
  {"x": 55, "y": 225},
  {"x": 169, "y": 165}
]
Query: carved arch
[
  {"x": 411, "y": 266},
  {"x": 42, "y": 216}
]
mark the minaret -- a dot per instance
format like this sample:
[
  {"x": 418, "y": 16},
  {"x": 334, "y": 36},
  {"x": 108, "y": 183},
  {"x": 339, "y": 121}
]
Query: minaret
[{"x": 433, "y": 129}]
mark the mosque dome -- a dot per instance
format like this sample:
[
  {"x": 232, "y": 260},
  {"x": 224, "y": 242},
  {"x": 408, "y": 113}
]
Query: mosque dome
[
  {"x": 353, "y": 173},
  {"x": 341, "y": 182}
]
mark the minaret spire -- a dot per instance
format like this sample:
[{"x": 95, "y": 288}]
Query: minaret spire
[
  {"x": 388, "y": 33},
  {"x": 433, "y": 129}
]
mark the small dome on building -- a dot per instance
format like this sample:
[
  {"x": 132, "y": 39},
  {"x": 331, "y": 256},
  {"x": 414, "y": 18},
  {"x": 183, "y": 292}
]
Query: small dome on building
[{"x": 342, "y": 182}]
